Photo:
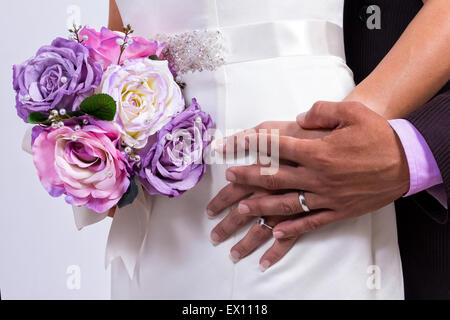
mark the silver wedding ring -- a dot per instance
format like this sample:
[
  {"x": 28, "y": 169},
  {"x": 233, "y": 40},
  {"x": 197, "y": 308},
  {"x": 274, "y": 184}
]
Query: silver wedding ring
[
  {"x": 302, "y": 200},
  {"x": 262, "y": 223}
]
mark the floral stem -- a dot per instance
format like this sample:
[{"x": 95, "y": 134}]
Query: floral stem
[
  {"x": 75, "y": 32},
  {"x": 127, "y": 30}
]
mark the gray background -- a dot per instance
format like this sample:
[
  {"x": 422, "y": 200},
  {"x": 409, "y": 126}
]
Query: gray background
[{"x": 38, "y": 238}]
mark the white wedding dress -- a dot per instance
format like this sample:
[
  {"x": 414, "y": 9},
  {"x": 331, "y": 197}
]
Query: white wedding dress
[{"x": 282, "y": 56}]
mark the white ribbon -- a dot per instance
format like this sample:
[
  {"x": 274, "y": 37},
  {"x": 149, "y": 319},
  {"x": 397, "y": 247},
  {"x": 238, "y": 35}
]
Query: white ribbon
[
  {"x": 128, "y": 229},
  {"x": 283, "y": 38}
]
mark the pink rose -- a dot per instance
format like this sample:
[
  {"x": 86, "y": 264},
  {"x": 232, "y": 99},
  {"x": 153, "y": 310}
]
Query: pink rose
[
  {"x": 83, "y": 164},
  {"x": 103, "y": 46}
]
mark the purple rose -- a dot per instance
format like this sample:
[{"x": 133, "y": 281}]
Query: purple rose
[
  {"x": 173, "y": 163},
  {"x": 61, "y": 75}
]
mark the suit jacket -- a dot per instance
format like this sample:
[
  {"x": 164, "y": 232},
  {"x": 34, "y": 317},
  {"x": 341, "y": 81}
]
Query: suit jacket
[{"x": 422, "y": 223}]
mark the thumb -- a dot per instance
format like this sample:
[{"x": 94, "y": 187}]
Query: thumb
[{"x": 322, "y": 115}]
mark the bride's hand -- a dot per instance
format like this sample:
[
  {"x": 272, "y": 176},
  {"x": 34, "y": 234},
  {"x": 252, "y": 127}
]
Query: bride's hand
[{"x": 234, "y": 221}]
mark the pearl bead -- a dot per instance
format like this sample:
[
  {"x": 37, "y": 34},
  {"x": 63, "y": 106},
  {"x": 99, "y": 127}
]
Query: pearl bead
[
  {"x": 125, "y": 45},
  {"x": 60, "y": 124},
  {"x": 54, "y": 112},
  {"x": 85, "y": 37},
  {"x": 74, "y": 138},
  {"x": 85, "y": 121},
  {"x": 198, "y": 120},
  {"x": 63, "y": 80},
  {"x": 27, "y": 97},
  {"x": 129, "y": 40},
  {"x": 119, "y": 41},
  {"x": 54, "y": 125},
  {"x": 137, "y": 158},
  {"x": 62, "y": 112},
  {"x": 77, "y": 127},
  {"x": 128, "y": 150}
]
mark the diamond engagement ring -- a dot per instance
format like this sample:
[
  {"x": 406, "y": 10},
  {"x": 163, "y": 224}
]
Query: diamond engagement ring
[{"x": 262, "y": 223}]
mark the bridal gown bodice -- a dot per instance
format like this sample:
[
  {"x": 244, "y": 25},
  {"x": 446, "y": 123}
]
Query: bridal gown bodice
[{"x": 281, "y": 57}]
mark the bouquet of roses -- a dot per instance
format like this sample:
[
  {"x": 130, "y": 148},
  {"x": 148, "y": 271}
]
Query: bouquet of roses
[{"x": 109, "y": 114}]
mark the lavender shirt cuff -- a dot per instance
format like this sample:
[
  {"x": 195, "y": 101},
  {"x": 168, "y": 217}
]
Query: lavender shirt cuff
[{"x": 423, "y": 170}]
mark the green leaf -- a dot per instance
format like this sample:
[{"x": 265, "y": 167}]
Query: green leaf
[
  {"x": 37, "y": 117},
  {"x": 129, "y": 196},
  {"x": 100, "y": 106},
  {"x": 153, "y": 57},
  {"x": 77, "y": 113}
]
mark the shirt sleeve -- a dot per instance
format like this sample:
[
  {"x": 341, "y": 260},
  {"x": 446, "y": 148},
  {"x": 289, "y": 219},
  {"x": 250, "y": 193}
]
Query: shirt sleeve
[{"x": 423, "y": 170}]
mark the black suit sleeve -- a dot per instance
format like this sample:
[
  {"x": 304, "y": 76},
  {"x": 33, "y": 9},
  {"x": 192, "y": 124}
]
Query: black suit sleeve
[{"x": 433, "y": 122}]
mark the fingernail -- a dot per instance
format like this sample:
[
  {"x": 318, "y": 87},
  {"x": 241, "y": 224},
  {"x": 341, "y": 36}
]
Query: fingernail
[
  {"x": 219, "y": 146},
  {"x": 230, "y": 176},
  {"x": 214, "y": 238},
  {"x": 301, "y": 117},
  {"x": 242, "y": 208},
  {"x": 278, "y": 234},
  {"x": 210, "y": 214},
  {"x": 234, "y": 256},
  {"x": 264, "y": 265}
]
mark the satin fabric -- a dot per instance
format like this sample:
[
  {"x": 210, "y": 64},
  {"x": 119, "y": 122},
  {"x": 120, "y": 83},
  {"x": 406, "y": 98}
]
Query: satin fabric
[{"x": 271, "y": 75}]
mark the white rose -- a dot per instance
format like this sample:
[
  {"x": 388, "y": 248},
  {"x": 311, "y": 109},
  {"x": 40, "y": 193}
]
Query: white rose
[{"x": 147, "y": 97}]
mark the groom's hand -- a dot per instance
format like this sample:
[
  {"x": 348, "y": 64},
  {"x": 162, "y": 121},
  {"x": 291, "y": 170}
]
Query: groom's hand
[{"x": 358, "y": 168}]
